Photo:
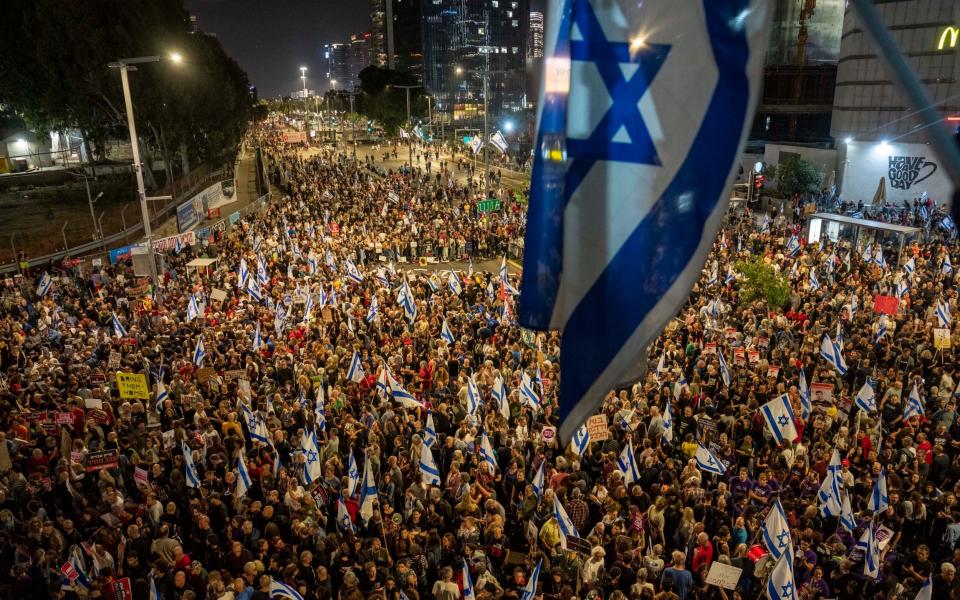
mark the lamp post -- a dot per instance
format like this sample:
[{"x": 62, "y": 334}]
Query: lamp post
[
  {"x": 125, "y": 65},
  {"x": 303, "y": 78},
  {"x": 409, "y": 141}
]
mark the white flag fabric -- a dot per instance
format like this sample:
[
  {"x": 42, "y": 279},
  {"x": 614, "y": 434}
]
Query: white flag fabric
[
  {"x": 468, "y": 592},
  {"x": 497, "y": 141},
  {"x": 867, "y": 397},
  {"x": 914, "y": 405},
  {"x": 926, "y": 590},
  {"x": 278, "y": 588},
  {"x": 312, "y": 468},
  {"x": 781, "y": 584},
  {"x": 806, "y": 406},
  {"x": 832, "y": 353},
  {"x": 708, "y": 461},
  {"x": 778, "y": 414},
  {"x": 776, "y": 531},
  {"x": 429, "y": 432},
  {"x": 473, "y": 396},
  {"x": 879, "y": 499},
  {"x": 563, "y": 521},
  {"x": 581, "y": 440},
  {"x": 610, "y": 193},
  {"x": 243, "y": 478},
  {"x": 538, "y": 483},
  {"x": 428, "y": 467},
  {"x": 530, "y": 589},
  {"x": 190, "y": 470},
  {"x": 353, "y": 475},
  {"x": 355, "y": 372},
  {"x": 486, "y": 453},
  {"x": 871, "y": 552},
  {"x": 829, "y": 494},
  {"x": 368, "y": 490},
  {"x": 628, "y": 464},
  {"x": 502, "y": 397},
  {"x": 667, "y": 423}
]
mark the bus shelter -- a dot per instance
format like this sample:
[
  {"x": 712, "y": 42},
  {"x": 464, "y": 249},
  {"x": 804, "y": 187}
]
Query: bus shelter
[{"x": 860, "y": 232}]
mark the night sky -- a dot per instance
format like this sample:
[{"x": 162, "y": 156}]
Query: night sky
[{"x": 272, "y": 39}]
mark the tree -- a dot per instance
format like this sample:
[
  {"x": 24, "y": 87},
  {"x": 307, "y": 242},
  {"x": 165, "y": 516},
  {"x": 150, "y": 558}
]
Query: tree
[
  {"x": 381, "y": 101},
  {"x": 760, "y": 281},
  {"x": 797, "y": 176},
  {"x": 54, "y": 57}
]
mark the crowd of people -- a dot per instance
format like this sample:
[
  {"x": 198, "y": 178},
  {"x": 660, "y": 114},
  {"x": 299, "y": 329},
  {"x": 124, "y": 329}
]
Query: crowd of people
[{"x": 324, "y": 418}]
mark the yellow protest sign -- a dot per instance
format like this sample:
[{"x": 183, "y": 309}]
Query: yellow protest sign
[
  {"x": 132, "y": 385},
  {"x": 941, "y": 338}
]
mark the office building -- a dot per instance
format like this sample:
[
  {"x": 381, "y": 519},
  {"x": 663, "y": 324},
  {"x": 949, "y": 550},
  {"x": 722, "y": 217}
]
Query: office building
[
  {"x": 403, "y": 37},
  {"x": 337, "y": 59},
  {"x": 469, "y": 41},
  {"x": 800, "y": 72},
  {"x": 535, "y": 44},
  {"x": 360, "y": 56},
  {"x": 876, "y": 127}
]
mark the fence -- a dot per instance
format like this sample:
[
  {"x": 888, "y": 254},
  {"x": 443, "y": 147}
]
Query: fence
[{"x": 96, "y": 246}]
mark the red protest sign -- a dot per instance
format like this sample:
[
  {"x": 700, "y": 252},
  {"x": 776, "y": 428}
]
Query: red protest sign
[
  {"x": 122, "y": 589},
  {"x": 885, "y": 304}
]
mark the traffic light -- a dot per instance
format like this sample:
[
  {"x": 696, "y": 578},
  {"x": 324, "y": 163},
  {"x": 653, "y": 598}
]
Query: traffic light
[{"x": 758, "y": 181}]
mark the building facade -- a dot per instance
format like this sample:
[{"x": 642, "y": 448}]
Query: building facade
[
  {"x": 360, "y": 56},
  {"x": 877, "y": 128},
  {"x": 398, "y": 25},
  {"x": 470, "y": 44},
  {"x": 535, "y": 43},
  {"x": 337, "y": 57}
]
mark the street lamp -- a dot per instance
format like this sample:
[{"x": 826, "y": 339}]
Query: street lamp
[{"x": 125, "y": 65}]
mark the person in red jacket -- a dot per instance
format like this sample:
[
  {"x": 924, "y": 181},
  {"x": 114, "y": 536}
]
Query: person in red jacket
[{"x": 703, "y": 555}]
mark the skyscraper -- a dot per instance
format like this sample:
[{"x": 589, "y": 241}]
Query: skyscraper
[
  {"x": 468, "y": 41},
  {"x": 337, "y": 59},
  {"x": 403, "y": 36},
  {"x": 360, "y": 56},
  {"x": 535, "y": 48}
]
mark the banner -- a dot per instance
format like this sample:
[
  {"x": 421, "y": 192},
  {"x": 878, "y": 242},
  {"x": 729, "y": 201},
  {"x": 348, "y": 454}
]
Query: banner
[
  {"x": 821, "y": 394},
  {"x": 192, "y": 212},
  {"x": 170, "y": 243},
  {"x": 885, "y": 304},
  {"x": 122, "y": 589},
  {"x": 293, "y": 137},
  {"x": 132, "y": 385},
  {"x": 598, "y": 428},
  {"x": 102, "y": 459},
  {"x": 941, "y": 338},
  {"x": 122, "y": 253}
]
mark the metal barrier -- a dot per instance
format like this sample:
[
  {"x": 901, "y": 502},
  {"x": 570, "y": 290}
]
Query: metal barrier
[{"x": 96, "y": 246}]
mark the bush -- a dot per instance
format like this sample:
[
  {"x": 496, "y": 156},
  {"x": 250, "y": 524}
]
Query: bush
[{"x": 760, "y": 281}]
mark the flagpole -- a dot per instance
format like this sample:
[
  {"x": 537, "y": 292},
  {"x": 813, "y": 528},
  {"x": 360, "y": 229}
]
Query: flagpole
[{"x": 905, "y": 75}]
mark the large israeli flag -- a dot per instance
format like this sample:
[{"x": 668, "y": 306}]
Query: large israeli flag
[
  {"x": 627, "y": 463},
  {"x": 190, "y": 471},
  {"x": 428, "y": 467},
  {"x": 368, "y": 491},
  {"x": 806, "y": 406},
  {"x": 644, "y": 111},
  {"x": 781, "y": 584},
  {"x": 566, "y": 526},
  {"x": 879, "y": 499},
  {"x": 353, "y": 475},
  {"x": 243, "y": 478},
  {"x": 829, "y": 493},
  {"x": 778, "y": 415}
]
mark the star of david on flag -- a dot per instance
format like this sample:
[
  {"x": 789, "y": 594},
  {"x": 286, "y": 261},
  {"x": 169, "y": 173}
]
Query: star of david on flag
[{"x": 642, "y": 117}]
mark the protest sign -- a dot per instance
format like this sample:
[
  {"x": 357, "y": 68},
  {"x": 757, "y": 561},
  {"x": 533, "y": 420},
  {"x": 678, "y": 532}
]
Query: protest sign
[
  {"x": 724, "y": 576},
  {"x": 102, "y": 459},
  {"x": 598, "y": 428},
  {"x": 133, "y": 385}
]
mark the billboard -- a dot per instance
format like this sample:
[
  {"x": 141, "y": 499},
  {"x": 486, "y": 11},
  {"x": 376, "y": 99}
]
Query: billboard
[{"x": 192, "y": 212}]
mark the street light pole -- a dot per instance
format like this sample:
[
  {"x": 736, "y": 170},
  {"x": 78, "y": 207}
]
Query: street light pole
[
  {"x": 409, "y": 122},
  {"x": 126, "y": 64},
  {"x": 486, "y": 137}
]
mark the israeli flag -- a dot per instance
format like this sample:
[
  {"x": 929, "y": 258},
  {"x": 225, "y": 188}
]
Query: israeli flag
[
  {"x": 501, "y": 396},
  {"x": 372, "y": 311},
  {"x": 256, "y": 427},
  {"x": 867, "y": 398},
  {"x": 627, "y": 464},
  {"x": 708, "y": 461},
  {"x": 778, "y": 415},
  {"x": 403, "y": 397},
  {"x": 473, "y": 396},
  {"x": 382, "y": 278},
  {"x": 253, "y": 290},
  {"x": 407, "y": 302},
  {"x": 193, "y": 480},
  {"x": 355, "y": 372},
  {"x": 43, "y": 286},
  {"x": 257, "y": 339},
  {"x": 199, "y": 353},
  {"x": 475, "y": 144},
  {"x": 243, "y": 478},
  {"x": 527, "y": 392},
  {"x": 497, "y": 141},
  {"x": 793, "y": 246},
  {"x": 724, "y": 371},
  {"x": 429, "y": 431},
  {"x": 118, "y": 329},
  {"x": 871, "y": 558},
  {"x": 714, "y": 276},
  {"x": 611, "y": 190},
  {"x": 383, "y": 381},
  {"x": 581, "y": 440},
  {"x": 914, "y": 406},
  {"x": 154, "y": 593},
  {"x": 943, "y": 313},
  {"x": 776, "y": 531},
  {"x": 667, "y": 423},
  {"x": 946, "y": 267},
  {"x": 343, "y": 517},
  {"x": 731, "y": 277},
  {"x": 832, "y": 354},
  {"x": 539, "y": 483},
  {"x": 926, "y": 590},
  {"x": 563, "y": 522},
  {"x": 278, "y": 588},
  {"x": 806, "y": 406},
  {"x": 243, "y": 274},
  {"x": 847, "y": 521},
  {"x": 910, "y": 266},
  {"x": 879, "y": 259},
  {"x": 530, "y": 589},
  {"x": 162, "y": 396},
  {"x": 881, "y": 330},
  {"x": 368, "y": 490},
  {"x": 263, "y": 278},
  {"x": 661, "y": 366},
  {"x": 322, "y": 297},
  {"x": 353, "y": 273},
  {"x": 445, "y": 333},
  {"x": 781, "y": 584},
  {"x": 353, "y": 475},
  {"x": 468, "y": 591},
  {"x": 428, "y": 467},
  {"x": 330, "y": 261},
  {"x": 486, "y": 452},
  {"x": 814, "y": 284},
  {"x": 312, "y": 468},
  {"x": 879, "y": 500},
  {"x": 829, "y": 494},
  {"x": 319, "y": 410},
  {"x": 308, "y": 308},
  {"x": 193, "y": 310},
  {"x": 867, "y": 255}
]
